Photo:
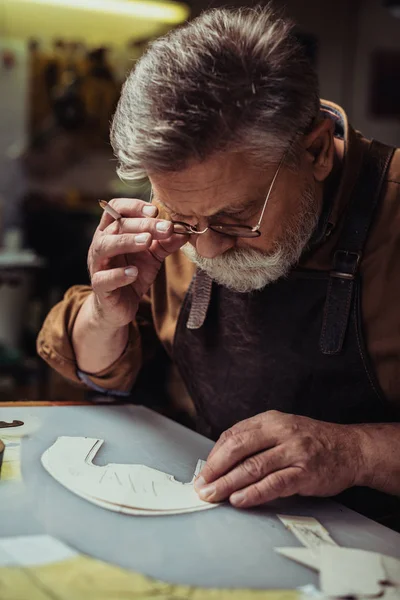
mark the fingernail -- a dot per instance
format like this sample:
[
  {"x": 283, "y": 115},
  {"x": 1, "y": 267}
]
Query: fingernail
[
  {"x": 131, "y": 271},
  {"x": 206, "y": 493},
  {"x": 238, "y": 498},
  {"x": 162, "y": 226},
  {"x": 149, "y": 210},
  {"x": 142, "y": 238},
  {"x": 200, "y": 481}
]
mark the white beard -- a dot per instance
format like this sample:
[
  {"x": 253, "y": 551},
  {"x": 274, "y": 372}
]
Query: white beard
[
  {"x": 242, "y": 270},
  {"x": 246, "y": 269}
]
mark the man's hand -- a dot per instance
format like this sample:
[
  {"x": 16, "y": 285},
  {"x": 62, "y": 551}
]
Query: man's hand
[
  {"x": 275, "y": 455},
  {"x": 125, "y": 257}
]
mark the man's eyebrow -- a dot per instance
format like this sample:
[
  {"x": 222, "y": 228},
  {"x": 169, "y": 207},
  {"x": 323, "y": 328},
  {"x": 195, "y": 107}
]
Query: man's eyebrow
[
  {"x": 243, "y": 206},
  {"x": 238, "y": 208}
]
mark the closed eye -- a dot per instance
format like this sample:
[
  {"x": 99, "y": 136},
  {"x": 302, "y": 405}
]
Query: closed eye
[
  {"x": 240, "y": 213},
  {"x": 238, "y": 216},
  {"x": 218, "y": 217}
]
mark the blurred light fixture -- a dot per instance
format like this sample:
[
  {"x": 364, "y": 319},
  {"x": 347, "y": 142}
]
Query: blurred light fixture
[
  {"x": 167, "y": 12},
  {"x": 393, "y": 6}
]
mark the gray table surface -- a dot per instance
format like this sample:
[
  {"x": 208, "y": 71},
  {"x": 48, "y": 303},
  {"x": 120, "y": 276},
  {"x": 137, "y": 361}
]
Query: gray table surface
[{"x": 222, "y": 547}]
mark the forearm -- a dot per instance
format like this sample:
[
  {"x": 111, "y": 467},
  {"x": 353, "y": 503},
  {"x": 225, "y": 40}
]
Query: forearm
[
  {"x": 380, "y": 451},
  {"x": 96, "y": 345}
]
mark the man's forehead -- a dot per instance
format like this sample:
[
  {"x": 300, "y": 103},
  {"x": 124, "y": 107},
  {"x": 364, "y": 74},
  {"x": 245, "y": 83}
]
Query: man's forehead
[{"x": 199, "y": 176}]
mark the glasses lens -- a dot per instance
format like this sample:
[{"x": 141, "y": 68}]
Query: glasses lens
[
  {"x": 236, "y": 230},
  {"x": 182, "y": 228}
]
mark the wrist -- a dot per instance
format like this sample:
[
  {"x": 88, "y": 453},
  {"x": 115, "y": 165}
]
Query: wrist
[
  {"x": 97, "y": 344},
  {"x": 97, "y": 319},
  {"x": 375, "y": 448},
  {"x": 363, "y": 456}
]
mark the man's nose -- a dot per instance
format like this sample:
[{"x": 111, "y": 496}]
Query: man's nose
[{"x": 212, "y": 244}]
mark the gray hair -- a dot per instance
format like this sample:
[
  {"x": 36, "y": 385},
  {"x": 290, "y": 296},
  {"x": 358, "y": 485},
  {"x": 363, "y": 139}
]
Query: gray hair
[{"x": 232, "y": 79}]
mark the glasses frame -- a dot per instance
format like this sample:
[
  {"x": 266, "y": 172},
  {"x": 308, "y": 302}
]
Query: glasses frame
[{"x": 254, "y": 230}]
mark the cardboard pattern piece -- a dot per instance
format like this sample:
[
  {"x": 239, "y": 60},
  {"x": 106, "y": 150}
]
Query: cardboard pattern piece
[
  {"x": 344, "y": 572},
  {"x": 308, "y": 531},
  {"x": 129, "y": 489}
]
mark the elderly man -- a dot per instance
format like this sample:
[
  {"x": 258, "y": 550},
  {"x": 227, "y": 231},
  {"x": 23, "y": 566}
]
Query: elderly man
[{"x": 267, "y": 266}]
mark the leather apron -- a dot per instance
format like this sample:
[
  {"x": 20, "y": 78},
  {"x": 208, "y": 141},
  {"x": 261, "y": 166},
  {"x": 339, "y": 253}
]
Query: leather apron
[{"x": 297, "y": 345}]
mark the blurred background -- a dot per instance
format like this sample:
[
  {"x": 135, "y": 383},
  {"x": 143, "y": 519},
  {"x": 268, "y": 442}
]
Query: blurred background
[{"x": 62, "y": 64}]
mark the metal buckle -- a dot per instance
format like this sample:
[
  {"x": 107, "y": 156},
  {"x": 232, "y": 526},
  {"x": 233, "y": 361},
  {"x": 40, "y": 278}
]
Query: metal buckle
[{"x": 354, "y": 264}]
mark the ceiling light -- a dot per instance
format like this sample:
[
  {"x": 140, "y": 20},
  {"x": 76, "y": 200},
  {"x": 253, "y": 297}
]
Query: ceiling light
[{"x": 167, "y": 12}]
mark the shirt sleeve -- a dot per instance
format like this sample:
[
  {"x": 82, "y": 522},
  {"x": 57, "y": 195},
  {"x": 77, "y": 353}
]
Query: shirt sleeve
[{"x": 54, "y": 345}]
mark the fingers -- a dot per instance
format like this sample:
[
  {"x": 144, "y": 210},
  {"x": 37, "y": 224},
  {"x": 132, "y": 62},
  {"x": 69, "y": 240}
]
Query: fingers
[
  {"x": 159, "y": 228},
  {"x": 137, "y": 235},
  {"x": 248, "y": 425},
  {"x": 162, "y": 248},
  {"x": 105, "y": 282},
  {"x": 109, "y": 246},
  {"x": 138, "y": 217},
  {"x": 250, "y": 471},
  {"x": 143, "y": 234},
  {"x": 233, "y": 450},
  {"x": 280, "y": 484},
  {"x": 128, "y": 207},
  {"x": 268, "y": 422}
]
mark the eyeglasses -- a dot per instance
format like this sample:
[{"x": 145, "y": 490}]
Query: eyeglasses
[{"x": 232, "y": 230}]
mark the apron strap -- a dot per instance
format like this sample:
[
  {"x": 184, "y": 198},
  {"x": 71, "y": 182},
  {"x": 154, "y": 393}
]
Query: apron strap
[
  {"x": 347, "y": 257},
  {"x": 201, "y": 295}
]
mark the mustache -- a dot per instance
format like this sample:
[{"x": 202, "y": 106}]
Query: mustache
[
  {"x": 242, "y": 270},
  {"x": 241, "y": 259}
]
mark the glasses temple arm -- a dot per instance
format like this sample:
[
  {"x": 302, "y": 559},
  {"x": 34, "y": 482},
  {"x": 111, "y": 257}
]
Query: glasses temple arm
[{"x": 257, "y": 227}]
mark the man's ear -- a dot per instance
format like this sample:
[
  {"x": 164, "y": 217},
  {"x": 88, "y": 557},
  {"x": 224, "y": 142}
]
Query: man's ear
[{"x": 320, "y": 146}]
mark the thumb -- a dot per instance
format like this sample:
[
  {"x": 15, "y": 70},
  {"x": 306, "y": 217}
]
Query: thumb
[{"x": 162, "y": 248}]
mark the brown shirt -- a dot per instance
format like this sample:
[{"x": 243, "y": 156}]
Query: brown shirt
[{"x": 158, "y": 313}]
